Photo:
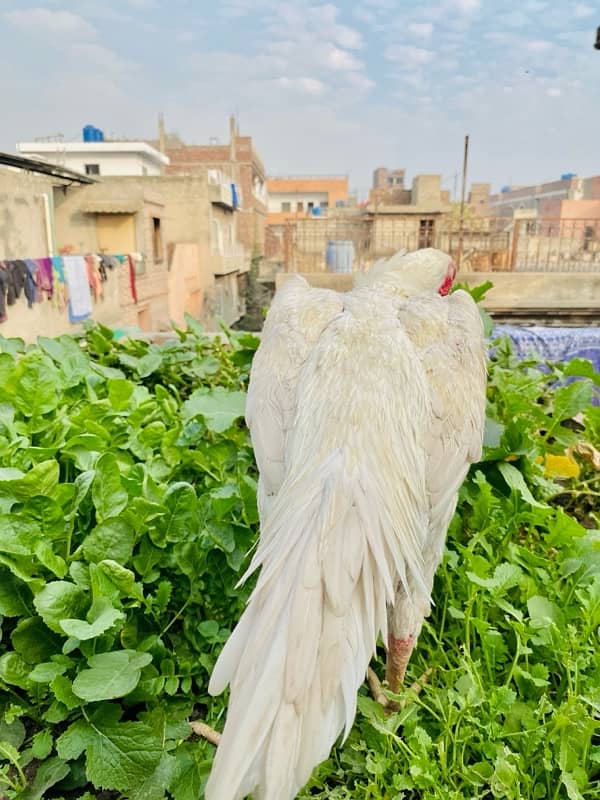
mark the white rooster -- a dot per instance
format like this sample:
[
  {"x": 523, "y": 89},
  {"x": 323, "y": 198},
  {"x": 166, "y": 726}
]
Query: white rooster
[{"x": 366, "y": 410}]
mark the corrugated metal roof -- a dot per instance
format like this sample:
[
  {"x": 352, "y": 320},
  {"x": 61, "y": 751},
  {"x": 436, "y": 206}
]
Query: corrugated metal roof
[{"x": 42, "y": 168}]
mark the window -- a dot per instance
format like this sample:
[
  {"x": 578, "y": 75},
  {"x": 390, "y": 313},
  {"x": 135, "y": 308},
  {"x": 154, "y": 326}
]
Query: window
[
  {"x": 300, "y": 206},
  {"x": 324, "y": 205},
  {"x": 310, "y": 207},
  {"x": 92, "y": 169},
  {"x": 157, "y": 246},
  {"x": 426, "y": 232},
  {"x": 286, "y": 206}
]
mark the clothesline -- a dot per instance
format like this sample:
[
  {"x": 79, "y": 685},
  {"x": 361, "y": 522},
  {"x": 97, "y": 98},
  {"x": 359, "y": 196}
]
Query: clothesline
[{"x": 70, "y": 282}]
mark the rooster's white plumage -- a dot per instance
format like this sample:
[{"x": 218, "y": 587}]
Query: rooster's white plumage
[{"x": 366, "y": 410}]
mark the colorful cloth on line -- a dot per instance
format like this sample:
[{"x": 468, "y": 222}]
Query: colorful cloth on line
[{"x": 80, "y": 296}]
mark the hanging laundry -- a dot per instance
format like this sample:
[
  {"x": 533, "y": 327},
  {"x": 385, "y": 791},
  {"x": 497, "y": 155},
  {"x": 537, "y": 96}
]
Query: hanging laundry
[
  {"x": 61, "y": 293},
  {"x": 32, "y": 270},
  {"x": 80, "y": 297},
  {"x": 19, "y": 281},
  {"x": 132, "y": 283},
  {"x": 44, "y": 277},
  {"x": 93, "y": 276}
]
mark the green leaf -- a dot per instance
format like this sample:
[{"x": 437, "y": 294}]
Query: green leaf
[
  {"x": 42, "y": 744},
  {"x": 46, "y": 671},
  {"x": 516, "y": 481},
  {"x": 181, "y": 521},
  {"x": 544, "y": 613},
  {"x": 219, "y": 407},
  {"x": 110, "y": 498},
  {"x": 570, "y": 400},
  {"x": 15, "y": 596},
  {"x": 14, "y": 732},
  {"x": 37, "y": 388},
  {"x": 122, "y": 578},
  {"x": 110, "y": 675},
  {"x": 60, "y": 600},
  {"x": 14, "y": 670},
  {"x": 120, "y": 392},
  {"x": 48, "y": 774},
  {"x": 105, "y": 620},
  {"x": 113, "y": 539},
  {"x": 32, "y": 639}
]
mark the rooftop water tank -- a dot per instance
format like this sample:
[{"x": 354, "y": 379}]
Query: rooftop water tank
[
  {"x": 92, "y": 134},
  {"x": 566, "y": 176}
]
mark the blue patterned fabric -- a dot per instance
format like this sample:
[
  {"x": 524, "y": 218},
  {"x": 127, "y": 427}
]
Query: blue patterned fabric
[{"x": 554, "y": 344}]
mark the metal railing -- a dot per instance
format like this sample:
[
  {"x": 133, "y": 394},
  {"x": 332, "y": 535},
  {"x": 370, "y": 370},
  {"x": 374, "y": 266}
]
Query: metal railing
[{"x": 488, "y": 244}]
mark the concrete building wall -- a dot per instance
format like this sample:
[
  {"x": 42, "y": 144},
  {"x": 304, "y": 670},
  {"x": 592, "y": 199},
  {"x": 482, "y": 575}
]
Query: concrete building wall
[
  {"x": 240, "y": 162},
  {"x": 112, "y": 158},
  {"x": 426, "y": 190},
  {"x": 25, "y": 215},
  {"x": 303, "y": 189}
]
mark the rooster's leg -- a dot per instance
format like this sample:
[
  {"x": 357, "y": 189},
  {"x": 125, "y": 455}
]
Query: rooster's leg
[{"x": 399, "y": 652}]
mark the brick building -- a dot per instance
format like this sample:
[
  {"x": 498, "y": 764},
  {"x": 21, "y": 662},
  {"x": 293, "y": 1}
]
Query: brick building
[{"x": 238, "y": 161}]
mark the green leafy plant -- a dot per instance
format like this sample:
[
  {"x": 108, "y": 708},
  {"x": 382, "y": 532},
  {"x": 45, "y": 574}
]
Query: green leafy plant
[{"x": 127, "y": 513}]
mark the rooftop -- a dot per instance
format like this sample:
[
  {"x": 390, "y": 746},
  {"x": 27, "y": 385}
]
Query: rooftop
[{"x": 92, "y": 147}]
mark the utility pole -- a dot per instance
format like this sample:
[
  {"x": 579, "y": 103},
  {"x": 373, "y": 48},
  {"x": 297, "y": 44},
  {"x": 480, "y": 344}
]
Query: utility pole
[
  {"x": 462, "y": 203},
  {"x": 597, "y": 45}
]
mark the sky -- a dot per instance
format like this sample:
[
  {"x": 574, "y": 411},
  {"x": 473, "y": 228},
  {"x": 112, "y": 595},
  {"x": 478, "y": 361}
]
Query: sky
[{"x": 336, "y": 87}]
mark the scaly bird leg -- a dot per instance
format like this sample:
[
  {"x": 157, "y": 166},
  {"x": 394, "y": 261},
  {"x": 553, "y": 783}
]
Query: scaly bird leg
[{"x": 398, "y": 656}]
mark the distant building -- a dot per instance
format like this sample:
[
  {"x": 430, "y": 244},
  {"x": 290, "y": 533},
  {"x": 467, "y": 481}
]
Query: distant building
[
  {"x": 180, "y": 230},
  {"x": 479, "y": 199},
  {"x": 545, "y": 198},
  {"x": 99, "y": 158},
  {"x": 239, "y": 162},
  {"x": 300, "y": 196}
]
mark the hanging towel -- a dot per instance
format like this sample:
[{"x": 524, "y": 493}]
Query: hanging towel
[
  {"x": 132, "y": 285},
  {"x": 80, "y": 297},
  {"x": 60, "y": 297},
  {"x": 44, "y": 276}
]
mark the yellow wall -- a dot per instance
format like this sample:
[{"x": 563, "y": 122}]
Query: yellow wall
[{"x": 116, "y": 233}]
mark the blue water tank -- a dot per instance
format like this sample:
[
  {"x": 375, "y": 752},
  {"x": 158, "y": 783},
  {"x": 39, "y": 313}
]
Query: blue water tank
[
  {"x": 566, "y": 176},
  {"x": 99, "y": 135},
  {"x": 505, "y": 189},
  {"x": 88, "y": 133},
  {"x": 340, "y": 256}
]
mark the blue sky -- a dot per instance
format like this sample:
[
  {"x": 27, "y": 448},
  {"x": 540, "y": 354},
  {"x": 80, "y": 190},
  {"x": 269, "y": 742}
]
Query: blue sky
[{"x": 324, "y": 87}]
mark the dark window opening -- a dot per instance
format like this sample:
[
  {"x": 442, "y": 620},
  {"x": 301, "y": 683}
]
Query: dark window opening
[
  {"x": 92, "y": 169},
  {"x": 426, "y": 232},
  {"x": 157, "y": 245}
]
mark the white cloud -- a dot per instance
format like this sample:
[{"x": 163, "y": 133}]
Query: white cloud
[
  {"x": 554, "y": 91},
  {"x": 56, "y": 23},
  {"x": 304, "y": 85},
  {"x": 100, "y": 56},
  {"x": 538, "y": 46},
  {"x": 581, "y": 11},
  {"x": 421, "y": 29},
  {"x": 185, "y": 36},
  {"x": 408, "y": 55},
  {"x": 465, "y": 6},
  {"x": 341, "y": 60}
]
